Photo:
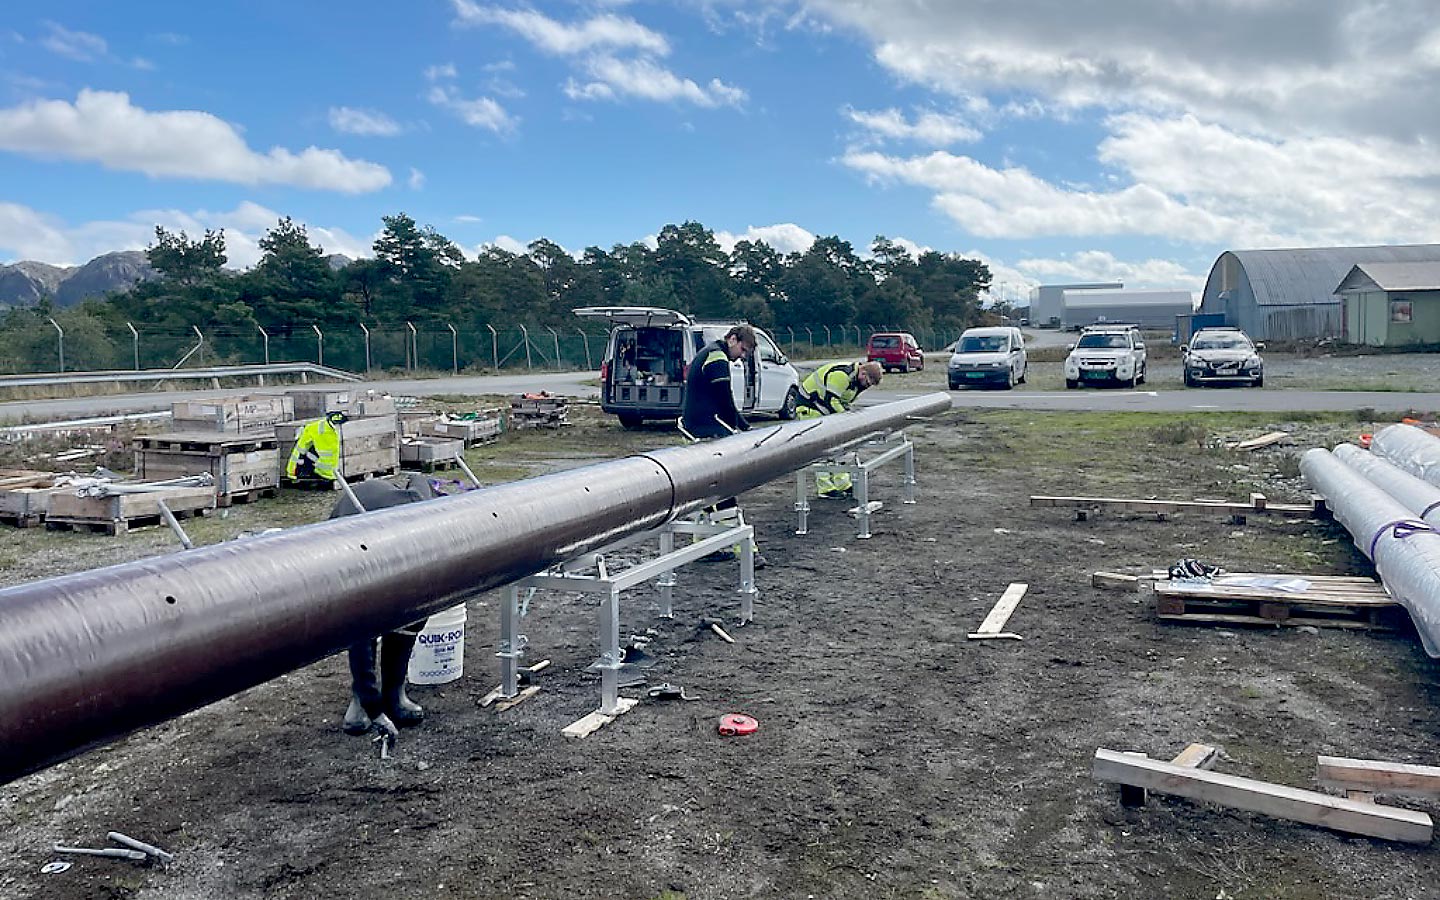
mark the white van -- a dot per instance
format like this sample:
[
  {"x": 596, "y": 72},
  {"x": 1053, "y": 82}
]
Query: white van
[
  {"x": 642, "y": 372},
  {"x": 993, "y": 355}
]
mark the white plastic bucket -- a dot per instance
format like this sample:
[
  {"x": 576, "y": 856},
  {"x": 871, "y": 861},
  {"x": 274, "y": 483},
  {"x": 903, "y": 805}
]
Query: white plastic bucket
[{"x": 439, "y": 655}]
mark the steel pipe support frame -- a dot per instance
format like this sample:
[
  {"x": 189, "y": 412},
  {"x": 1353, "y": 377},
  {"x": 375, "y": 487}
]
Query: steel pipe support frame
[
  {"x": 88, "y": 657},
  {"x": 860, "y": 472}
]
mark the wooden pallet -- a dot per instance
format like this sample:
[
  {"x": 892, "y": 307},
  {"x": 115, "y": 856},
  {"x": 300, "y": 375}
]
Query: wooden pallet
[
  {"x": 114, "y": 527},
  {"x": 1342, "y": 603},
  {"x": 242, "y": 497},
  {"x": 16, "y": 521}
]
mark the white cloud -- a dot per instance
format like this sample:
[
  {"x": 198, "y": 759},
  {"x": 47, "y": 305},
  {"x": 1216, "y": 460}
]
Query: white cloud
[
  {"x": 504, "y": 242},
  {"x": 481, "y": 112},
  {"x": 466, "y": 219},
  {"x": 440, "y": 72},
  {"x": 352, "y": 120},
  {"x": 80, "y": 46},
  {"x": 602, "y": 32},
  {"x": 104, "y": 127},
  {"x": 1100, "y": 265},
  {"x": 646, "y": 80},
  {"x": 784, "y": 237},
  {"x": 930, "y": 128},
  {"x": 416, "y": 179},
  {"x": 28, "y": 234}
]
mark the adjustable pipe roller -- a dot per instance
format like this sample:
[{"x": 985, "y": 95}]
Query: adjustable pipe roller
[{"x": 89, "y": 657}]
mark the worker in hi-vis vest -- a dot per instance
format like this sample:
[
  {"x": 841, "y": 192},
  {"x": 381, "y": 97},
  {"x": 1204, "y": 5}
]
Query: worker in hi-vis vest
[
  {"x": 317, "y": 451},
  {"x": 832, "y": 388}
]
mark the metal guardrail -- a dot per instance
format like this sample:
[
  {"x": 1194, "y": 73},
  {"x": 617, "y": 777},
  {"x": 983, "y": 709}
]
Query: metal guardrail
[{"x": 118, "y": 376}]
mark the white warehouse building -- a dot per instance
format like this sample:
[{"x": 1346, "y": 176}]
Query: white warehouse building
[
  {"x": 1047, "y": 300},
  {"x": 1153, "y": 310}
]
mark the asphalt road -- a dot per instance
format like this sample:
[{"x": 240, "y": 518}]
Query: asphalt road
[{"x": 574, "y": 384}]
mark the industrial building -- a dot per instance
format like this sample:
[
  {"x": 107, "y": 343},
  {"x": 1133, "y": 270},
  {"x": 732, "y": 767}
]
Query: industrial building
[
  {"x": 1047, "y": 300},
  {"x": 1153, "y": 310},
  {"x": 1292, "y": 294},
  {"x": 1392, "y": 304}
]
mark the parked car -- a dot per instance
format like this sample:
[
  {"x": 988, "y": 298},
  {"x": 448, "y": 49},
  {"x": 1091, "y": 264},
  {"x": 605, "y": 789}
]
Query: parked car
[
  {"x": 1106, "y": 353},
  {"x": 988, "y": 356},
  {"x": 642, "y": 371},
  {"x": 895, "y": 350},
  {"x": 1222, "y": 354}
]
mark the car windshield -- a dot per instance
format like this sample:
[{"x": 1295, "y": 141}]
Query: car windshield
[
  {"x": 992, "y": 343},
  {"x": 1220, "y": 342},
  {"x": 1104, "y": 341}
]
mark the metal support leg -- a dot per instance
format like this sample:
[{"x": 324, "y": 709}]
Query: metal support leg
[
  {"x": 747, "y": 577},
  {"x": 667, "y": 580},
  {"x": 862, "y": 497},
  {"x": 909, "y": 473},
  {"x": 802, "y": 501},
  {"x": 512, "y": 643},
  {"x": 610, "y": 655},
  {"x": 174, "y": 524}
]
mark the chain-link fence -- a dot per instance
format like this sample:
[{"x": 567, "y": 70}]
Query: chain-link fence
[{"x": 91, "y": 346}]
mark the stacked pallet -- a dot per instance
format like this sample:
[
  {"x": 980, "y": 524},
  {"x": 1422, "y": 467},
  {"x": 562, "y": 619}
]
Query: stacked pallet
[
  {"x": 471, "y": 429},
  {"x": 245, "y": 466},
  {"x": 234, "y": 415},
  {"x": 538, "y": 411},
  {"x": 426, "y": 454},
  {"x": 1328, "y": 601}
]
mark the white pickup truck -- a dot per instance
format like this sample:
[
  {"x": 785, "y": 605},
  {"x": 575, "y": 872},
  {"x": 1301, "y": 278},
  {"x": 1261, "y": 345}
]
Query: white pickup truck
[{"x": 1113, "y": 354}]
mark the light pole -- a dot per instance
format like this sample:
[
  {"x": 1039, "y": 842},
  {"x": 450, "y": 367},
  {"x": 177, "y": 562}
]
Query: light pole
[{"x": 60, "y": 340}]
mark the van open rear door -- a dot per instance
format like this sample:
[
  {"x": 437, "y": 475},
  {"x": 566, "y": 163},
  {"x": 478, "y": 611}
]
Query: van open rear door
[{"x": 634, "y": 315}]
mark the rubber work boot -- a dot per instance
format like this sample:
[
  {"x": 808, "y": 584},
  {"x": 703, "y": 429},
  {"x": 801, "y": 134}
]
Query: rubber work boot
[
  {"x": 395, "y": 650},
  {"x": 365, "y": 700}
]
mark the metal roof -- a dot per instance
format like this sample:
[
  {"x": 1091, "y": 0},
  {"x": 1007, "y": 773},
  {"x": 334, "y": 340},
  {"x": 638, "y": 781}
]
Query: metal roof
[
  {"x": 1402, "y": 276},
  {"x": 1310, "y": 275},
  {"x": 1088, "y": 299}
]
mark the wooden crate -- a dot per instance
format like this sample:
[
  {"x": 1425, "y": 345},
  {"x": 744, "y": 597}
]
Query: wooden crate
[
  {"x": 25, "y": 497},
  {"x": 426, "y": 453},
  {"x": 245, "y": 467},
  {"x": 119, "y": 513},
  {"x": 367, "y": 446},
  {"x": 471, "y": 431},
  {"x": 313, "y": 404},
  {"x": 237, "y": 415}
]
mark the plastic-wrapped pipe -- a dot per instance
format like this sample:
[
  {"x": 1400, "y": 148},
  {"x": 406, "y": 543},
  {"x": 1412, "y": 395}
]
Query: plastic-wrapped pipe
[
  {"x": 1406, "y": 550},
  {"x": 1412, "y": 449},
  {"x": 1418, "y": 495}
]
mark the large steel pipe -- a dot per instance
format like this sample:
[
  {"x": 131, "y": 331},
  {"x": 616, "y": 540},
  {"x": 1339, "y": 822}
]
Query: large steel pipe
[
  {"x": 1416, "y": 494},
  {"x": 1405, "y": 550},
  {"x": 1412, "y": 449},
  {"x": 88, "y": 657}
]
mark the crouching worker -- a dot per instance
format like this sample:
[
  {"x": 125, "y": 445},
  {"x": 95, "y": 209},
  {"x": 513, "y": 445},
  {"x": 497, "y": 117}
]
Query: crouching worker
[
  {"x": 832, "y": 388},
  {"x": 317, "y": 449},
  {"x": 378, "y": 666}
]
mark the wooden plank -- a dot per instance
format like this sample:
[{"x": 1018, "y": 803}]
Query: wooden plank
[
  {"x": 1264, "y": 440},
  {"x": 1193, "y": 618},
  {"x": 1171, "y": 506},
  {"x": 994, "y": 623},
  {"x": 1115, "y": 581},
  {"x": 525, "y": 694},
  {"x": 1280, "y": 801},
  {"x": 1197, "y": 756},
  {"x": 589, "y": 724},
  {"x": 1377, "y": 776},
  {"x": 1354, "y": 596}
]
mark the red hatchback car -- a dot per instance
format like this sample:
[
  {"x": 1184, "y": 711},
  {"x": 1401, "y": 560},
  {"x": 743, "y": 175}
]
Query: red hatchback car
[{"x": 895, "y": 350}]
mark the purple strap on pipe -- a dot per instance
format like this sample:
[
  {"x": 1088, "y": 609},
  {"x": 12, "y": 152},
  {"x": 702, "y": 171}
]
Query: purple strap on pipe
[
  {"x": 1400, "y": 529},
  {"x": 1429, "y": 509}
]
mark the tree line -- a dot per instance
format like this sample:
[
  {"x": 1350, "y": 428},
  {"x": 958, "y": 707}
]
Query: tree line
[{"x": 418, "y": 275}]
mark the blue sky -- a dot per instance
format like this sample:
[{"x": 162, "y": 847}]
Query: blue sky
[{"x": 1086, "y": 140}]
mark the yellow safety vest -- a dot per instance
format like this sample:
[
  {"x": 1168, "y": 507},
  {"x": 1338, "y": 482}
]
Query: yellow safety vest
[
  {"x": 325, "y": 440},
  {"x": 830, "y": 388}
]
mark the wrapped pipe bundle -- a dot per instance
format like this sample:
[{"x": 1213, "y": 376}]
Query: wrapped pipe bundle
[
  {"x": 1412, "y": 449},
  {"x": 1416, "y": 494}
]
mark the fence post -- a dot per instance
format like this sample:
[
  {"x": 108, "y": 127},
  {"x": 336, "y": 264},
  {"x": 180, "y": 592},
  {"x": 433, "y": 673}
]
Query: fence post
[
  {"x": 810, "y": 338},
  {"x": 586, "y": 338},
  {"x": 135, "y": 343},
  {"x": 494, "y": 345},
  {"x": 319, "y": 345},
  {"x": 412, "y": 349},
  {"x": 525, "y": 332},
  {"x": 558, "y": 362},
  {"x": 454, "y": 349},
  {"x": 792, "y": 339},
  {"x": 367, "y": 347},
  {"x": 828, "y": 342},
  {"x": 264, "y": 335},
  {"x": 61, "y": 341}
]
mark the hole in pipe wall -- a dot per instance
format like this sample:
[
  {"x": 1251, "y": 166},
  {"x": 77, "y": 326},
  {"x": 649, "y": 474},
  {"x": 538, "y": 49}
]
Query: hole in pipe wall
[{"x": 170, "y": 600}]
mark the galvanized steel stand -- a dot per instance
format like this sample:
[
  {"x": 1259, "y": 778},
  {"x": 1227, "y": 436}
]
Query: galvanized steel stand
[
  {"x": 848, "y": 458},
  {"x": 568, "y": 576}
]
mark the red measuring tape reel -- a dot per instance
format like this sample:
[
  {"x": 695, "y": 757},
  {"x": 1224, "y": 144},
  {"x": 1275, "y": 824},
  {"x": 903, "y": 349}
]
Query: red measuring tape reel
[{"x": 732, "y": 724}]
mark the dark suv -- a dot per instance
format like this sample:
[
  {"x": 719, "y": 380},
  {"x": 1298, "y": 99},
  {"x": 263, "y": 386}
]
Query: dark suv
[{"x": 1222, "y": 355}]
